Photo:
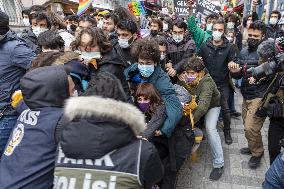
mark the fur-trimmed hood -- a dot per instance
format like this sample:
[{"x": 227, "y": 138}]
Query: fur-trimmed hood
[{"x": 86, "y": 107}]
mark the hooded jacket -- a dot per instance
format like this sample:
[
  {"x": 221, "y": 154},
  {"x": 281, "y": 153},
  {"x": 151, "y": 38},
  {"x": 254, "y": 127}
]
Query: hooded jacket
[
  {"x": 99, "y": 142},
  {"x": 113, "y": 64},
  {"x": 31, "y": 39},
  {"x": 216, "y": 59},
  {"x": 15, "y": 59},
  {"x": 28, "y": 160},
  {"x": 163, "y": 84},
  {"x": 180, "y": 51}
]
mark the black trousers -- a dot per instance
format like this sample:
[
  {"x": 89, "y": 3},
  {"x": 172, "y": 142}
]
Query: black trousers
[
  {"x": 225, "y": 108},
  {"x": 275, "y": 134}
]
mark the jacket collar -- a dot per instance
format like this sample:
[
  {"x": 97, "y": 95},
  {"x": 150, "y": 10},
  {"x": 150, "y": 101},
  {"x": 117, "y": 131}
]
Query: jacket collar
[{"x": 89, "y": 106}]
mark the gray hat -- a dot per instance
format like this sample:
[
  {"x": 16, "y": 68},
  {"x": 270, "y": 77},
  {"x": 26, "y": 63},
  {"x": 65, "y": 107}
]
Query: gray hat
[{"x": 182, "y": 94}]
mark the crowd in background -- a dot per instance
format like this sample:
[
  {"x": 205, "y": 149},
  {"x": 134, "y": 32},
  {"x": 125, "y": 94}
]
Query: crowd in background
[{"x": 110, "y": 100}]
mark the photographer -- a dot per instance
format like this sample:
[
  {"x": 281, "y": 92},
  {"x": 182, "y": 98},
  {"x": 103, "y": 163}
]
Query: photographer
[{"x": 252, "y": 92}]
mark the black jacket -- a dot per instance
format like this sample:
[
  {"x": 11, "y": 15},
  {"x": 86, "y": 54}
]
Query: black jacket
[
  {"x": 124, "y": 54},
  {"x": 178, "y": 52},
  {"x": 248, "y": 59},
  {"x": 274, "y": 31},
  {"x": 113, "y": 64},
  {"x": 31, "y": 40},
  {"x": 99, "y": 126},
  {"x": 216, "y": 60}
]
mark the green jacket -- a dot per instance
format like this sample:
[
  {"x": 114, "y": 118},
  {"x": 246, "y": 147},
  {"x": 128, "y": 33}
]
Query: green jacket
[
  {"x": 199, "y": 36},
  {"x": 207, "y": 96}
]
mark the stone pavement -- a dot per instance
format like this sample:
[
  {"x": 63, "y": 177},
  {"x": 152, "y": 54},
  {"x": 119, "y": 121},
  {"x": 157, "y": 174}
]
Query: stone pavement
[{"x": 237, "y": 175}]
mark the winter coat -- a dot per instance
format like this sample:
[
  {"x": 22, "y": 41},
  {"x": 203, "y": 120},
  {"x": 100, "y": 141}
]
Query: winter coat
[
  {"x": 216, "y": 60},
  {"x": 15, "y": 59},
  {"x": 113, "y": 64},
  {"x": 199, "y": 36},
  {"x": 250, "y": 59},
  {"x": 124, "y": 54},
  {"x": 155, "y": 122},
  {"x": 163, "y": 84},
  {"x": 101, "y": 133},
  {"x": 207, "y": 96},
  {"x": 31, "y": 39},
  {"x": 28, "y": 160},
  {"x": 274, "y": 31},
  {"x": 178, "y": 52}
]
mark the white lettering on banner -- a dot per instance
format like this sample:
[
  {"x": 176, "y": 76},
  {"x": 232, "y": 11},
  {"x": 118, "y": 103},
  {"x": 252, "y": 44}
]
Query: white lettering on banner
[
  {"x": 29, "y": 117},
  {"x": 105, "y": 160},
  {"x": 65, "y": 183},
  {"x": 208, "y": 5}
]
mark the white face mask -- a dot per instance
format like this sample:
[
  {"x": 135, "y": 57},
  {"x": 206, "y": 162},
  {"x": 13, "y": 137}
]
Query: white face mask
[
  {"x": 38, "y": 30},
  {"x": 273, "y": 21},
  {"x": 165, "y": 27},
  {"x": 88, "y": 56},
  {"x": 163, "y": 56},
  {"x": 75, "y": 93},
  {"x": 231, "y": 25},
  {"x": 249, "y": 23},
  {"x": 26, "y": 22},
  {"x": 217, "y": 36},
  {"x": 68, "y": 27},
  {"x": 209, "y": 27},
  {"x": 178, "y": 38},
  {"x": 230, "y": 39},
  {"x": 123, "y": 43},
  {"x": 100, "y": 24}
]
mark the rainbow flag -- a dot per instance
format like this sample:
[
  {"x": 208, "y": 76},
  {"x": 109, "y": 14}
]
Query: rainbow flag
[
  {"x": 83, "y": 6},
  {"x": 137, "y": 8}
]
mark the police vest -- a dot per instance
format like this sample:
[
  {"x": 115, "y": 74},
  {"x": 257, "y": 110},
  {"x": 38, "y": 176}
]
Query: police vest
[
  {"x": 118, "y": 169},
  {"x": 28, "y": 160}
]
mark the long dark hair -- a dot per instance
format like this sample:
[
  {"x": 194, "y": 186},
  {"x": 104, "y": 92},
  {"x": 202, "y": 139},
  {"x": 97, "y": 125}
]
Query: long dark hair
[
  {"x": 98, "y": 38},
  {"x": 147, "y": 90}
]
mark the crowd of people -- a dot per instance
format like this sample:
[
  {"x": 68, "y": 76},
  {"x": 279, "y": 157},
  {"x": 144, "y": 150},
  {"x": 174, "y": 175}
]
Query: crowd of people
[{"x": 94, "y": 102}]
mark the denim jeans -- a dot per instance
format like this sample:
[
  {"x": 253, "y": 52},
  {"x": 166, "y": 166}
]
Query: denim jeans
[
  {"x": 225, "y": 109},
  {"x": 274, "y": 177},
  {"x": 6, "y": 125},
  {"x": 211, "y": 119}
]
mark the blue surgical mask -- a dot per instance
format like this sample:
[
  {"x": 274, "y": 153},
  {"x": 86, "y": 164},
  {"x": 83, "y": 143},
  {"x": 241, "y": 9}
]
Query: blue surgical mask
[{"x": 146, "y": 70}]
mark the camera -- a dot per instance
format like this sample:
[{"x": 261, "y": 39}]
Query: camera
[
  {"x": 268, "y": 68},
  {"x": 270, "y": 51}
]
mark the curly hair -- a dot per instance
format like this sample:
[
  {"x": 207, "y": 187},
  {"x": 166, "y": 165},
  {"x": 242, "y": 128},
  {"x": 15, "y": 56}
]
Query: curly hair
[
  {"x": 195, "y": 63},
  {"x": 147, "y": 50},
  {"x": 98, "y": 38}
]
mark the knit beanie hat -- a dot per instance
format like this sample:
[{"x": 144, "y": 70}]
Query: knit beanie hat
[{"x": 4, "y": 23}]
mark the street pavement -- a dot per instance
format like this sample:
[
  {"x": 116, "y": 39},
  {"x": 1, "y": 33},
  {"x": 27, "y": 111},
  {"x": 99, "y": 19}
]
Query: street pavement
[{"x": 237, "y": 175}]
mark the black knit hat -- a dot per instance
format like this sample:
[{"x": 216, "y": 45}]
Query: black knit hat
[
  {"x": 4, "y": 23},
  {"x": 4, "y": 19}
]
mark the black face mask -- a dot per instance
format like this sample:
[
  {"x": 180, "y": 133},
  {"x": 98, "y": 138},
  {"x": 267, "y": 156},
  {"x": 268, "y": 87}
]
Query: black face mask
[
  {"x": 253, "y": 43},
  {"x": 154, "y": 32}
]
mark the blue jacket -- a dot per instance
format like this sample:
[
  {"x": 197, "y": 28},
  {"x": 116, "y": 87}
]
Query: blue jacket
[
  {"x": 28, "y": 160},
  {"x": 163, "y": 84},
  {"x": 15, "y": 59}
]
